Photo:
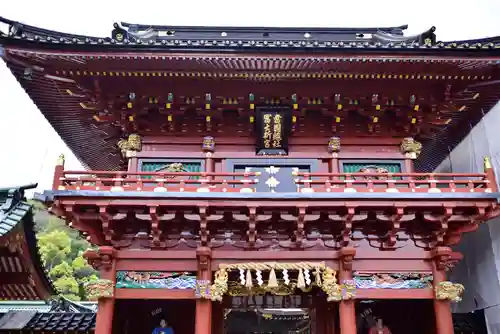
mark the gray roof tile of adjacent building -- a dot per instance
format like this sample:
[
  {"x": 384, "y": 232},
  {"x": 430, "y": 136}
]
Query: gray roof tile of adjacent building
[{"x": 16, "y": 215}]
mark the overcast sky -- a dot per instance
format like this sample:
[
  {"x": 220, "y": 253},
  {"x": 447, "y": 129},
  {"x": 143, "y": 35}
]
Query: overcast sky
[{"x": 30, "y": 145}]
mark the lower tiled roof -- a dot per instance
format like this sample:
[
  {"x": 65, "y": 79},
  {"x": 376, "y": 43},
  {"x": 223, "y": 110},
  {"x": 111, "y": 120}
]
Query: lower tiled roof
[
  {"x": 63, "y": 322},
  {"x": 22, "y": 274}
]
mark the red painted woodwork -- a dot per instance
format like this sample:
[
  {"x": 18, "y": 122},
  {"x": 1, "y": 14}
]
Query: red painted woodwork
[
  {"x": 197, "y": 221},
  {"x": 394, "y": 182},
  {"x": 322, "y": 182}
]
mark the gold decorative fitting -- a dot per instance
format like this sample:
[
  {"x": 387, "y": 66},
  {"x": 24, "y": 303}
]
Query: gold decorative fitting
[
  {"x": 208, "y": 144},
  {"x": 60, "y": 160},
  {"x": 334, "y": 145},
  {"x": 411, "y": 148},
  {"x": 101, "y": 288},
  {"x": 130, "y": 146},
  {"x": 449, "y": 291},
  {"x": 323, "y": 277},
  {"x": 487, "y": 163}
]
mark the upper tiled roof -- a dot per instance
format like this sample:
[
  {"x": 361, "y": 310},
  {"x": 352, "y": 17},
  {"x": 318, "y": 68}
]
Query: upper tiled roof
[{"x": 140, "y": 36}]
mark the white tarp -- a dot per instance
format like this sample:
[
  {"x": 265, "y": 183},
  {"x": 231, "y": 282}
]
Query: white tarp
[{"x": 480, "y": 269}]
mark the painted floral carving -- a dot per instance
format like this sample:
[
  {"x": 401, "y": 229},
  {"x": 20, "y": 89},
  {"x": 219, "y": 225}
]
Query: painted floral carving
[{"x": 101, "y": 288}]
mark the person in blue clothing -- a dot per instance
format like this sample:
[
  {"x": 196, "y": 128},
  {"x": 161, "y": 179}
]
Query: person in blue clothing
[{"x": 163, "y": 329}]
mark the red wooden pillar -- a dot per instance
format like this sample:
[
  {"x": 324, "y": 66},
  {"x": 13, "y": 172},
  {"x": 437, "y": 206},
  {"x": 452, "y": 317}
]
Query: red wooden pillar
[
  {"x": 58, "y": 172},
  {"x": 334, "y": 149},
  {"x": 442, "y": 310},
  {"x": 203, "y": 322},
  {"x": 104, "y": 261},
  {"x": 133, "y": 165},
  {"x": 347, "y": 308},
  {"x": 208, "y": 148},
  {"x": 408, "y": 165},
  {"x": 490, "y": 174}
]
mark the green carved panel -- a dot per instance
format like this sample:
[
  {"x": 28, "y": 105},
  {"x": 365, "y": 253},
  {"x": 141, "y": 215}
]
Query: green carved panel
[
  {"x": 355, "y": 167},
  {"x": 157, "y": 166}
]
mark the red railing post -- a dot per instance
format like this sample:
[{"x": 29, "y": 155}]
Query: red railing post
[
  {"x": 490, "y": 175},
  {"x": 58, "y": 172}
]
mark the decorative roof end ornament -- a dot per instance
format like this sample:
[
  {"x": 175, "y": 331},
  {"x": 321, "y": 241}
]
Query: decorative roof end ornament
[
  {"x": 60, "y": 160},
  {"x": 487, "y": 163}
]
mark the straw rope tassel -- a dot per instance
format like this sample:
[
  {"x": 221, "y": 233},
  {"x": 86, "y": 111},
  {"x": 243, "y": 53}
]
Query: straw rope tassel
[
  {"x": 273, "y": 281},
  {"x": 301, "y": 283},
  {"x": 249, "y": 279}
]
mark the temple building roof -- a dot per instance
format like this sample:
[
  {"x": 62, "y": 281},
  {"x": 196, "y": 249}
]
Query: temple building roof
[
  {"x": 152, "y": 80},
  {"x": 129, "y": 35},
  {"x": 22, "y": 274},
  {"x": 56, "y": 315}
]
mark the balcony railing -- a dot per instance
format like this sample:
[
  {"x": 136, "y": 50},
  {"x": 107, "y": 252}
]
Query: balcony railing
[
  {"x": 245, "y": 182},
  {"x": 156, "y": 181},
  {"x": 395, "y": 182}
]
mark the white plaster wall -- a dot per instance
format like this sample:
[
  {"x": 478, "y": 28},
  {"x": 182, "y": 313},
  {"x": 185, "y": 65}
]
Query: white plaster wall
[{"x": 480, "y": 269}]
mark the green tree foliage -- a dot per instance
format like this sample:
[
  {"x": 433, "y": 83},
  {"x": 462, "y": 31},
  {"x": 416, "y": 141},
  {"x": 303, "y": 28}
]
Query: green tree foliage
[{"x": 61, "y": 249}]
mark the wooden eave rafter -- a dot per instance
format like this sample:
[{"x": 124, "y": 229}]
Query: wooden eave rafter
[
  {"x": 49, "y": 86},
  {"x": 447, "y": 217},
  {"x": 55, "y": 73}
]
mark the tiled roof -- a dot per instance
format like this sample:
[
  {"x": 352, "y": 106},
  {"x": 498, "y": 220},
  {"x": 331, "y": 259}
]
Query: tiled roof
[
  {"x": 63, "y": 322},
  {"x": 126, "y": 35},
  {"x": 42, "y": 306},
  {"x": 57, "y": 315},
  {"x": 22, "y": 274}
]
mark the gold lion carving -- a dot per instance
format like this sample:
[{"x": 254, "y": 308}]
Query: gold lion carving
[
  {"x": 449, "y": 291},
  {"x": 411, "y": 148},
  {"x": 130, "y": 146}
]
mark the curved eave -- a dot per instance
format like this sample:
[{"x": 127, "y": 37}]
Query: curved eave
[
  {"x": 45, "y": 94},
  {"x": 46, "y": 288}
]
